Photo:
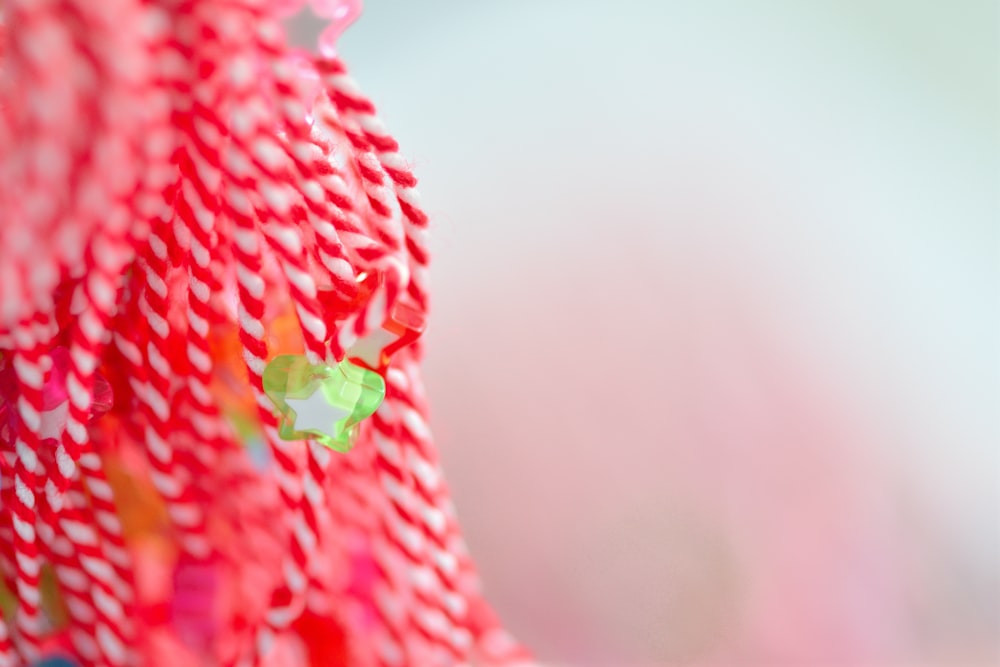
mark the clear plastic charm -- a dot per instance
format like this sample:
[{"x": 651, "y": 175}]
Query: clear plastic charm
[
  {"x": 55, "y": 398},
  {"x": 321, "y": 402},
  {"x": 374, "y": 351},
  {"x": 404, "y": 325},
  {"x": 340, "y": 14}
]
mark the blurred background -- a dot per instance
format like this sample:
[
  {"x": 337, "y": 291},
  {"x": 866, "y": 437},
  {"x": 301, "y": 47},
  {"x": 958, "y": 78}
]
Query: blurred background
[{"x": 715, "y": 351}]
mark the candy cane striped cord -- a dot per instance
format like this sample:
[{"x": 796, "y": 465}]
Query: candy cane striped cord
[
  {"x": 258, "y": 157},
  {"x": 439, "y": 593},
  {"x": 251, "y": 289},
  {"x": 307, "y": 216},
  {"x": 452, "y": 567},
  {"x": 108, "y": 531},
  {"x": 386, "y": 215},
  {"x": 444, "y": 632},
  {"x": 393, "y": 267},
  {"x": 285, "y": 241},
  {"x": 321, "y": 195},
  {"x": 351, "y": 511},
  {"x": 113, "y": 632},
  {"x": 365, "y": 130},
  {"x": 345, "y": 217},
  {"x": 158, "y": 175},
  {"x": 40, "y": 48},
  {"x": 251, "y": 312},
  {"x": 288, "y": 603},
  {"x": 7, "y": 657},
  {"x": 81, "y": 557},
  {"x": 385, "y": 219},
  {"x": 396, "y": 551},
  {"x": 286, "y": 245},
  {"x": 30, "y": 363},
  {"x": 396, "y": 547},
  {"x": 340, "y": 237},
  {"x": 353, "y": 500},
  {"x": 240, "y": 177},
  {"x": 433, "y": 612},
  {"x": 172, "y": 482},
  {"x": 363, "y": 126},
  {"x": 393, "y": 599},
  {"x": 76, "y": 591},
  {"x": 358, "y": 508},
  {"x": 157, "y": 139},
  {"x": 358, "y": 503},
  {"x": 350, "y": 523},
  {"x": 107, "y": 254},
  {"x": 110, "y": 568},
  {"x": 109, "y": 527},
  {"x": 198, "y": 208}
]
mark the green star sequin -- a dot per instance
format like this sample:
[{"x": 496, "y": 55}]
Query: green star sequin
[{"x": 324, "y": 403}]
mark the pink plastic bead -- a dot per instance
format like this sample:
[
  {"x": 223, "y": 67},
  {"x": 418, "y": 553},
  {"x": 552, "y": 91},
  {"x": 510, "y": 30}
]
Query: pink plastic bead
[
  {"x": 55, "y": 398},
  {"x": 194, "y": 603}
]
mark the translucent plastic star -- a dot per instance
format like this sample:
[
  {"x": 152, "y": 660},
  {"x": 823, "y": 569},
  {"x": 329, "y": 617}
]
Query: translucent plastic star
[
  {"x": 404, "y": 325},
  {"x": 321, "y": 402}
]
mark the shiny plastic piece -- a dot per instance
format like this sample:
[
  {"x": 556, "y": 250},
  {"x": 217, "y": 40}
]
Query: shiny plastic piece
[
  {"x": 197, "y": 583},
  {"x": 55, "y": 398},
  {"x": 321, "y": 402},
  {"x": 340, "y": 14},
  {"x": 404, "y": 325}
]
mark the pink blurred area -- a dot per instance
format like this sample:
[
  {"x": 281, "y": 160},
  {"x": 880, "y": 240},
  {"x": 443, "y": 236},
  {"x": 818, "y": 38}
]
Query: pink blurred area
[{"x": 714, "y": 352}]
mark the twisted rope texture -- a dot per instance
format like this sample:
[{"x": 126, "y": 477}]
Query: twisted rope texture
[{"x": 181, "y": 204}]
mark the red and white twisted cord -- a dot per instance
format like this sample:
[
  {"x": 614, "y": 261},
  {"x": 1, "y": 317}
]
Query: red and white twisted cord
[
  {"x": 106, "y": 255},
  {"x": 443, "y": 601},
  {"x": 254, "y": 163},
  {"x": 365, "y": 130},
  {"x": 310, "y": 163},
  {"x": 156, "y": 393},
  {"x": 432, "y": 606},
  {"x": 111, "y": 630},
  {"x": 76, "y": 588},
  {"x": 199, "y": 160},
  {"x": 37, "y": 180},
  {"x": 31, "y": 363},
  {"x": 7, "y": 656}
]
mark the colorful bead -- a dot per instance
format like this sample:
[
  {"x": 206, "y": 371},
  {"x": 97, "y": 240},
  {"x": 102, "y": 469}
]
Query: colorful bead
[
  {"x": 193, "y": 605},
  {"x": 55, "y": 398},
  {"x": 404, "y": 325},
  {"x": 321, "y": 402}
]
